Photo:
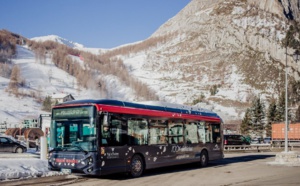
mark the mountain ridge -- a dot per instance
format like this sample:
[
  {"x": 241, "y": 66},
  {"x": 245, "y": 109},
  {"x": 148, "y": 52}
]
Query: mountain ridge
[{"x": 214, "y": 54}]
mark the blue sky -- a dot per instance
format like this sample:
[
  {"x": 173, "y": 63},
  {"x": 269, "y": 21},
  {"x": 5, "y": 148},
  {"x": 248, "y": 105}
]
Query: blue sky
[{"x": 93, "y": 23}]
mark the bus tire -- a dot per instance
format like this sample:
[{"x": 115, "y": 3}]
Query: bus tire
[
  {"x": 203, "y": 158},
  {"x": 136, "y": 166}
]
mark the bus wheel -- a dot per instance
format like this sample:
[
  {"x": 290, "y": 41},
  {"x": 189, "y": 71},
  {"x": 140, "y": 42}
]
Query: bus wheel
[
  {"x": 203, "y": 158},
  {"x": 137, "y": 166}
]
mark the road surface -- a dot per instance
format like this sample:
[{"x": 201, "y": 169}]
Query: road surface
[{"x": 236, "y": 169}]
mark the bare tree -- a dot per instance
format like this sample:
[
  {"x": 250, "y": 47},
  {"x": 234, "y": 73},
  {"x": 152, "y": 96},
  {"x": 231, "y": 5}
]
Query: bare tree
[{"x": 14, "y": 79}]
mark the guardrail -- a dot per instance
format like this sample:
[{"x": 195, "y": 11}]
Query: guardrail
[
  {"x": 294, "y": 144},
  {"x": 259, "y": 147},
  {"x": 252, "y": 147}
]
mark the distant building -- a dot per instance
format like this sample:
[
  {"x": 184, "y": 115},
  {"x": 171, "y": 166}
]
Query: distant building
[
  {"x": 60, "y": 98},
  {"x": 29, "y": 123},
  {"x": 3, "y": 127}
]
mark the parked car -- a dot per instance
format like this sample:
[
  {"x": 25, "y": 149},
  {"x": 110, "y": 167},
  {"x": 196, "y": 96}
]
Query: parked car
[
  {"x": 256, "y": 141},
  {"x": 235, "y": 139},
  {"x": 8, "y": 144},
  {"x": 267, "y": 140}
]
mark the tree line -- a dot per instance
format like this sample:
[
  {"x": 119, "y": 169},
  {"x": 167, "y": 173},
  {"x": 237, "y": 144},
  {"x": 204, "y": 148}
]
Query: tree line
[
  {"x": 90, "y": 75},
  {"x": 258, "y": 118},
  {"x": 94, "y": 65}
]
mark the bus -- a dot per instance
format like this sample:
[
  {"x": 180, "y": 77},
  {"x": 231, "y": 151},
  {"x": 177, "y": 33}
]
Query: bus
[{"x": 100, "y": 137}]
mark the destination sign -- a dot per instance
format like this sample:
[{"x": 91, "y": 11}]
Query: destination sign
[{"x": 73, "y": 112}]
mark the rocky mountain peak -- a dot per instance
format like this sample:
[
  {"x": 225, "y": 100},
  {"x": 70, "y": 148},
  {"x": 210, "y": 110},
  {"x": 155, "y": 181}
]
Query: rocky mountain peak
[
  {"x": 291, "y": 9},
  {"x": 221, "y": 52}
]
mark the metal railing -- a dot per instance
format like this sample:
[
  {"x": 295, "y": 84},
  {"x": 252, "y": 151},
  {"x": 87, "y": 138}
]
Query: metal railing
[
  {"x": 259, "y": 147},
  {"x": 252, "y": 147}
]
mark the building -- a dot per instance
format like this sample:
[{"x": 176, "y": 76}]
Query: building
[{"x": 60, "y": 98}]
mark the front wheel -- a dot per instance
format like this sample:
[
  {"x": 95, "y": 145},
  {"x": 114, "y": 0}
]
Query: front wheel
[
  {"x": 136, "y": 166},
  {"x": 203, "y": 158}
]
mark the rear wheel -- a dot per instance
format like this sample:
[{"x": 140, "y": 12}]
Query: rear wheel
[
  {"x": 203, "y": 158},
  {"x": 19, "y": 150},
  {"x": 136, "y": 166}
]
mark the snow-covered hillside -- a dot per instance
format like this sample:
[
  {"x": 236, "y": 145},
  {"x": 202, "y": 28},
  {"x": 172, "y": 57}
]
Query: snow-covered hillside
[
  {"x": 42, "y": 80},
  {"x": 46, "y": 79}
]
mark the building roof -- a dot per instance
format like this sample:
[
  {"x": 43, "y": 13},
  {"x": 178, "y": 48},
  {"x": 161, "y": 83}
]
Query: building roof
[{"x": 61, "y": 96}]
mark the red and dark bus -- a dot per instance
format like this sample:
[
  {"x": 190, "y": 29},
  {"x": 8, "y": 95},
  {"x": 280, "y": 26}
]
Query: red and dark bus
[{"x": 100, "y": 137}]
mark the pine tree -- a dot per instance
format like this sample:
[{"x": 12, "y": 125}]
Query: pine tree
[
  {"x": 271, "y": 118},
  {"x": 280, "y": 109},
  {"x": 47, "y": 104},
  {"x": 258, "y": 116},
  {"x": 246, "y": 125},
  {"x": 297, "y": 115}
]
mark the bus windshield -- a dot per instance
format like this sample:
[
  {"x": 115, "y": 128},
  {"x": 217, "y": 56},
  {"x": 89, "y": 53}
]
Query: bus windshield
[{"x": 74, "y": 129}]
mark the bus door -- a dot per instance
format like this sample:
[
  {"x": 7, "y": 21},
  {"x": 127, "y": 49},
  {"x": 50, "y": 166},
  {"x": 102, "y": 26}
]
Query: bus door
[
  {"x": 113, "y": 140},
  {"x": 213, "y": 140}
]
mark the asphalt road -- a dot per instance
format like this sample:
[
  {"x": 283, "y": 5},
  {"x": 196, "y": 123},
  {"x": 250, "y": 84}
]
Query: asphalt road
[{"x": 236, "y": 169}]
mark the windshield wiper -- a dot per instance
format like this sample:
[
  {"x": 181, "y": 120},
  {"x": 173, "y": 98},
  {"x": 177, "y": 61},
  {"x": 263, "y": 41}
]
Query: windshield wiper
[
  {"x": 80, "y": 148},
  {"x": 68, "y": 147}
]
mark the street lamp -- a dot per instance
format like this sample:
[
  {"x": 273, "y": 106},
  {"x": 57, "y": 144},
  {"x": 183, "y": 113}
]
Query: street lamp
[{"x": 296, "y": 57}]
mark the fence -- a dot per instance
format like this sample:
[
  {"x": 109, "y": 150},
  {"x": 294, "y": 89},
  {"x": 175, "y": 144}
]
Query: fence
[
  {"x": 252, "y": 147},
  {"x": 258, "y": 147}
]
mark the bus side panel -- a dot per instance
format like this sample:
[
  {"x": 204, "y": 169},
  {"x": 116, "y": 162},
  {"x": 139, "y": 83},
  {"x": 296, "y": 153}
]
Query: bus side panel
[
  {"x": 172, "y": 154},
  {"x": 215, "y": 151},
  {"x": 113, "y": 159}
]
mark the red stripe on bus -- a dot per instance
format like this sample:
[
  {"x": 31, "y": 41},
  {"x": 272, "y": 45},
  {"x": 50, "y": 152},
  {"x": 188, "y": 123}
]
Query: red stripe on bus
[{"x": 146, "y": 112}]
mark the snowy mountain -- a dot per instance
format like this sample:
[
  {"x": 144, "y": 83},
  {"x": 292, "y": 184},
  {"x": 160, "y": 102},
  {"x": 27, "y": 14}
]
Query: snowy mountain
[
  {"x": 233, "y": 47},
  {"x": 221, "y": 53},
  {"x": 58, "y": 39},
  {"x": 69, "y": 43}
]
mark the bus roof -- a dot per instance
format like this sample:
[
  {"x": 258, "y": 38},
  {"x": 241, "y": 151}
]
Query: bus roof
[{"x": 158, "y": 106}]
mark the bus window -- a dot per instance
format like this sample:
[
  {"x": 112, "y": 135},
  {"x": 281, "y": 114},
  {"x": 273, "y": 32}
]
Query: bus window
[
  {"x": 191, "y": 133},
  {"x": 176, "y": 133},
  {"x": 114, "y": 132},
  {"x": 138, "y": 131},
  {"x": 106, "y": 134},
  {"x": 158, "y": 132},
  {"x": 216, "y": 136},
  {"x": 60, "y": 134},
  {"x": 201, "y": 132},
  {"x": 208, "y": 133},
  {"x": 74, "y": 135}
]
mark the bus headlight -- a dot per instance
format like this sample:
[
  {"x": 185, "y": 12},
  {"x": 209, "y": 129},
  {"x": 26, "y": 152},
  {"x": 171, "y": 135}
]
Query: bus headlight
[
  {"x": 90, "y": 160},
  {"x": 90, "y": 170}
]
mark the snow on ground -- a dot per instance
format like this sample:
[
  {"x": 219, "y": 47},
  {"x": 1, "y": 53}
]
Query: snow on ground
[{"x": 25, "y": 165}]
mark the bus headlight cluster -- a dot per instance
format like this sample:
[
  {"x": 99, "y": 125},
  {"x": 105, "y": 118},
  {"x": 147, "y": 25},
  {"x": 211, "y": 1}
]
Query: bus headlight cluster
[{"x": 90, "y": 160}]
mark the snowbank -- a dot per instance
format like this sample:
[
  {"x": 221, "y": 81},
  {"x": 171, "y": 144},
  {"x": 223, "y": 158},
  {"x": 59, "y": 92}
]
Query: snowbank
[{"x": 26, "y": 165}]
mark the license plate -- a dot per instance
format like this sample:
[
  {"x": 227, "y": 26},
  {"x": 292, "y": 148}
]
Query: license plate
[{"x": 66, "y": 171}]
